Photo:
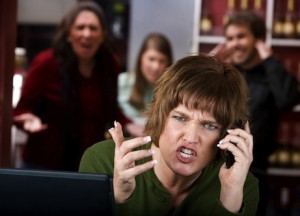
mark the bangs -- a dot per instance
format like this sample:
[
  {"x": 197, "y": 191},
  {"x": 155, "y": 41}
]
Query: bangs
[
  {"x": 218, "y": 101},
  {"x": 196, "y": 101}
]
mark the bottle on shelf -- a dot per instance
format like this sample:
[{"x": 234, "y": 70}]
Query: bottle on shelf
[
  {"x": 20, "y": 59},
  {"x": 289, "y": 28},
  {"x": 244, "y": 5},
  {"x": 206, "y": 24},
  {"x": 295, "y": 149},
  {"x": 283, "y": 151},
  {"x": 298, "y": 22},
  {"x": 273, "y": 159},
  {"x": 278, "y": 19},
  {"x": 119, "y": 23},
  {"x": 284, "y": 200},
  {"x": 20, "y": 73},
  {"x": 298, "y": 28},
  {"x": 258, "y": 9},
  {"x": 230, "y": 10}
]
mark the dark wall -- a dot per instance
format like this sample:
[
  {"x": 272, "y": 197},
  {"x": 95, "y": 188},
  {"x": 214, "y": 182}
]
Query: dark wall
[{"x": 8, "y": 16}]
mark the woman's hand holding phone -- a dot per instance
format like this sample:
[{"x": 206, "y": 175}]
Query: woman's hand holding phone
[{"x": 233, "y": 179}]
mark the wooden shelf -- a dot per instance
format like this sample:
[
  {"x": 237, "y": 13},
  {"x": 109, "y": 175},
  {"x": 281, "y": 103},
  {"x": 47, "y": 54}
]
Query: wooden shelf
[
  {"x": 285, "y": 42},
  {"x": 287, "y": 172},
  {"x": 212, "y": 39}
]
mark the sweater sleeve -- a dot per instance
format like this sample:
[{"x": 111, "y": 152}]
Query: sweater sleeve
[
  {"x": 98, "y": 158},
  {"x": 282, "y": 84},
  {"x": 42, "y": 67},
  {"x": 250, "y": 201}
]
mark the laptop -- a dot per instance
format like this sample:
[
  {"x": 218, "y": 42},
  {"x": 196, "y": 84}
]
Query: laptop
[{"x": 49, "y": 193}]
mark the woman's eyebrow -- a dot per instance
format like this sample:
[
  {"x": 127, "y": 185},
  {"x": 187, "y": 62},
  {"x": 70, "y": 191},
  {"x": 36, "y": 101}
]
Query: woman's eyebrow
[
  {"x": 209, "y": 122},
  {"x": 182, "y": 113}
]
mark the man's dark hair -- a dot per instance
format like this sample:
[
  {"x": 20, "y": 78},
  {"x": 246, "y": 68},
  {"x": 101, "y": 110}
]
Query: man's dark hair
[{"x": 247, "y": 18}]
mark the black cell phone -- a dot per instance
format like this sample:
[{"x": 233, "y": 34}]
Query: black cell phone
[{"x": 229, "y": 158}]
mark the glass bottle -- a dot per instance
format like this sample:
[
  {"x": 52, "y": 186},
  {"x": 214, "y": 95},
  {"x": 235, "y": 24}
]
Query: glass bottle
[
  {"x": 206, "y": 24},
  {"x": 298, "y": 23},
  {"x": 244, "y": 5},
  {"x": 295, "y": 150},
  {"x": 273, "y": 159},
  {"x": 19, "y": 75},
  {"x": 298, "y": 28},
  {"x": 283, "y": 152},
  {"x": 119, "y": 23},
  {"x": 277, "y": 30},
  {"x": 289, "y": 28},
  {"x": 284, "y": 201},
  {"x": 258, "y": 8},
  {"x": 230, "y": 10}
]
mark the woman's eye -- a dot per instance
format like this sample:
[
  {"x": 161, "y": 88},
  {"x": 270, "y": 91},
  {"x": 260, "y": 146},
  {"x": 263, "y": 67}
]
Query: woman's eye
[
  {"x": 210, "y": 126},
  {"x": 94, "y": 28},
  {"x": 179, "y": 118},
  {"x": 79, "y": 28},
  {"x": 152, "y": 59}
]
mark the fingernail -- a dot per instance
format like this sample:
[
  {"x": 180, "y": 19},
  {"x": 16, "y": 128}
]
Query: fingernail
[
  {"x": 151, "y": 151},
  {"x": 154, "y": 162},
  {"x": 115, "y": 123},
  {"x": 147, "y": 139},
  {"x": 110, "y": 130},
  {"x": 229, "y": 130}
]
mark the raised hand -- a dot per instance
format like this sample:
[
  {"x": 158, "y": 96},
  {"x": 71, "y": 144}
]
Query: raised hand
[
  {"x": 222, "y": 52},
  {"x": 125, "y": 169},
  {"x": 233, "y": 179},
  {"x": 263, "y": 50},
  {"x": 31, "y": 123}
]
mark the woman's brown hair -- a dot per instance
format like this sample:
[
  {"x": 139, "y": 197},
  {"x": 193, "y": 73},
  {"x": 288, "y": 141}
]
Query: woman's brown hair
[
  {"x": 62, "y": 48},
  {"x": 199, "y": 82},
  {"x": 160, "y": 43}
]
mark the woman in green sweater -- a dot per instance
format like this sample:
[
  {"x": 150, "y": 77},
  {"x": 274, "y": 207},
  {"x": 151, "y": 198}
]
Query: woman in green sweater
[{"x": 179, "y": 169}]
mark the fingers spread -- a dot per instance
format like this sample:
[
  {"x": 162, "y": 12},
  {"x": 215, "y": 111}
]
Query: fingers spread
[
  {"x": 117, "y": 134},
  {"x": 136, "y": 170}
]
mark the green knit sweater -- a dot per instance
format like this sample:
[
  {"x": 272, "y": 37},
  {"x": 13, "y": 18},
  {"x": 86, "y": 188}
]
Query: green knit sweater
[{"x": 151, "y": 198}]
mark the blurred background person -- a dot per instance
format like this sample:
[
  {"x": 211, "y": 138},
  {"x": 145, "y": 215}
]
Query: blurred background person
[
  {"x": 271, "y": 88},
  {"x": 135, "y": 88},
  {"x": 69, "y": 97}
]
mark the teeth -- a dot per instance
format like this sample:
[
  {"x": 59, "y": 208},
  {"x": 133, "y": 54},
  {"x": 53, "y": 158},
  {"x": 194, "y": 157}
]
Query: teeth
[
  {"x": 186, "y": 152},
  {"x": 185, "y": 155}
]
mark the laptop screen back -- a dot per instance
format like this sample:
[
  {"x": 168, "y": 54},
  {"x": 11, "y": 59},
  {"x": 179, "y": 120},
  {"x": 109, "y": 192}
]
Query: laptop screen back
[{"x": 34, "y": 192}]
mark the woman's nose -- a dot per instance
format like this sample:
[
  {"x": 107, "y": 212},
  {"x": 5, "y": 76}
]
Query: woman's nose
[
  {"x": 155, "y": 65},
  {"x": 191, "y": 134},
  {"x": 86, "y": 32}
]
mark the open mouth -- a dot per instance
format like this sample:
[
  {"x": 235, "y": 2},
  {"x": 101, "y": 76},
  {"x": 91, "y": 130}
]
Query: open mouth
[
  {"x": 86, "y": 46},
  {"x": 186, "y": 152}
]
